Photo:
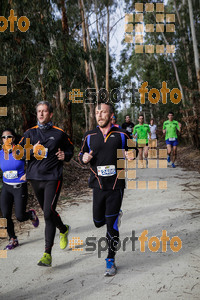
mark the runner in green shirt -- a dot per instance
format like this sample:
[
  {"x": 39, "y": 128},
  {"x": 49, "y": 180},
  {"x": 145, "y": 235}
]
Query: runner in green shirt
[
  {"x": 170, "y": 128},
  {"x": 142, "y": 130}
]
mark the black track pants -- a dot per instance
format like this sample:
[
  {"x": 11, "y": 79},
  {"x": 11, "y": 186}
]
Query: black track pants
[
  {"x": 18, "y": 197},
  {"x": 106, "y": 207},
  {"x": 47, "y": 193}
]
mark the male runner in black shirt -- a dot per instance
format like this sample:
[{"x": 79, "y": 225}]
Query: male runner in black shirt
[
  {"x": 100, "y": 147},
  {"x": 45, "y": 173},
  {"x": 128, "y": 125}
]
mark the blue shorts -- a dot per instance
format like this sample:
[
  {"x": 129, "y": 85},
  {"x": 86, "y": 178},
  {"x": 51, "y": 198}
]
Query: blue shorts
[{"x": 172, "y": 143}]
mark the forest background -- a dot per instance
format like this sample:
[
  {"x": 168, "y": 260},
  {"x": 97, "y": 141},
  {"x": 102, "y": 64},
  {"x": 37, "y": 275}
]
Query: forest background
[{"x": 68, "y": 46}]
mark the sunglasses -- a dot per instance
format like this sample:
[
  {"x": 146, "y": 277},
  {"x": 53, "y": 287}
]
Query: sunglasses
[{"x": 7, "y": 136}]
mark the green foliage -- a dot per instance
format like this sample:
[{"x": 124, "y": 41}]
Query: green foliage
[
  {"x": 44, "y": 59},
  {"x": 156, "y": 68}
]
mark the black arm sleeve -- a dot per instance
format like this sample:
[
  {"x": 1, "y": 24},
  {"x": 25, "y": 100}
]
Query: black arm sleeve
[
  {"x": 84, "y": 148},
  {"x": 68, "y": 147}
]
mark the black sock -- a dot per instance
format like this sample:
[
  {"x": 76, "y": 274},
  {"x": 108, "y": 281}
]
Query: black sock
[
  {"x": 48, "y": 250},
  {"x": 63, "y": 229}
]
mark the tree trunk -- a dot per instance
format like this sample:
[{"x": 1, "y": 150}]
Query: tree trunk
[
  {"x": 87, "y": 67},
  {"x": 91, "y": 104},
  {"x": 43, "y": 94},
  {"x": 65, "y": 28},
  {"x": 175, "y": 70},
  {"x": 86, "y": 116},
  {"x": 97, "y": 26},
  {"x": 107, "y": 50},
  {"x": 194, "y": 40},
  {"x": 197, "y": 66},
  {"x": 186, "y": 46},
  {"x": 87, "y": 70},
  {"x": 87, "y": 73},
  {"x": 90, "y": 55}
]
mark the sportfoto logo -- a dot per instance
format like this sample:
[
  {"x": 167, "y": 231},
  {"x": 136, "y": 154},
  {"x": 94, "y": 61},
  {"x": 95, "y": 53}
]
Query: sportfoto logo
[
  {"x": 141, "y": 29},
  {"x": 126, "y": 168},
  {"x": 23, "y": 22},
  {"x": 3, "y": 234},
  {"x": 3, "y": 92},
  {"x": 39, "y": 151},
  {"x": 116, "y": 95},
  {"x": 153, "y": 244}
]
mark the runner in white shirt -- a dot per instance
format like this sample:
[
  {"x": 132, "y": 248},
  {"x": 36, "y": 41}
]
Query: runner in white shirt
[{"x": 153, "y": 129}]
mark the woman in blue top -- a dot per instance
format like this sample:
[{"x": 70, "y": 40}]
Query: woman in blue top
[{"x": 14, "y": 188}]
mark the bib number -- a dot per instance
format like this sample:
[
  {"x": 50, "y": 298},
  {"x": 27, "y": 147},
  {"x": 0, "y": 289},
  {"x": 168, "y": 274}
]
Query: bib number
[
  {"x": 10, "y": 174},
  {"x": 172, "y": 139},
  {"x": 106, "y": 170}
]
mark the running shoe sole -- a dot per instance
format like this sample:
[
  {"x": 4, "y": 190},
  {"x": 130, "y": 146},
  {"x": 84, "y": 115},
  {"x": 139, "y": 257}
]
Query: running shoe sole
[
  {"x": 41, "y": 264},
  {"x": 47, "y": 263},
  {"x": 12, "y": 246},
  {"x": 111, "y": 272}
]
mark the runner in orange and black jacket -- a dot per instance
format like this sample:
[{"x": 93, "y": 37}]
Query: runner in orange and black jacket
[
  {"x": 102, "y": 147},
  {"x": 45, "y": 174},
  {"x": 53, "y": 138},
  {"x": 104, "y": 153}
]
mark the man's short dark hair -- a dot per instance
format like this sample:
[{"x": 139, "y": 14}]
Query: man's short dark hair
[
  {"x": 107, "y": 103},
  {"x": 50, "y": 107},
  {"x": 170, "y": 113},
  {"x": 141, "y": 115}
]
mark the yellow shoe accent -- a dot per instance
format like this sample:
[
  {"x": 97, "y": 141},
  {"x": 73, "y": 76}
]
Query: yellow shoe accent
[{"x": 64, "y": 238}]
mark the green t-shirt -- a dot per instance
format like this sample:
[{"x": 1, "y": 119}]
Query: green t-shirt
[
  {"x": 171, "y": 128},
  {"x": 142, "y": 132}
]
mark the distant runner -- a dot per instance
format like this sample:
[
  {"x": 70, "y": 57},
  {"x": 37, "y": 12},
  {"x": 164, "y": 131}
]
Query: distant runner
[
  {"x": 153, "y": 129},
  {"x": 100, "y": 147},
  {"x": 142, "y": 130},
  {"x": 114, "y": 122},
  {"x": 128, "y": 125},
  {"x": 45, "y": 174},
  {"x": 170, "y": 128}
]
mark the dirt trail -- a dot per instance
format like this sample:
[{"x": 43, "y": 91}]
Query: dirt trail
[{"x": 141, "y": 275}]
